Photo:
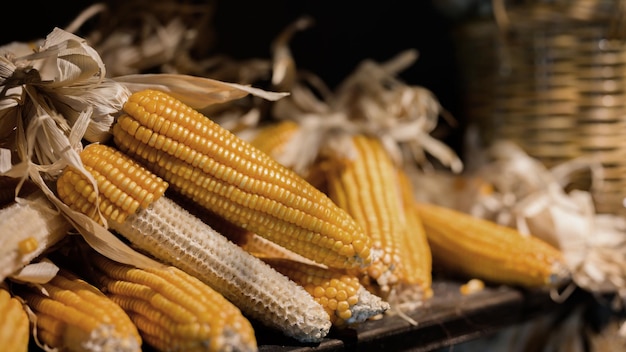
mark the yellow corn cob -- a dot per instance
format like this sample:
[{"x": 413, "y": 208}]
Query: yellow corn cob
[
  {"x": 173, "y": 310},
  {"x": 273, "y": 138},
  {"x": 14, "y": 325},
  {"x": 73, "y": 315},
  {"x": 28, "y": 229},
  {"x": 367, "y": 188},
  {"x": 236, "y": 181},
  {"x": 483, "y": 249},
  {"x": 341, "y": 294},
  {"x": 414, "y": 249},
  {"x": 171, "y": 234}
]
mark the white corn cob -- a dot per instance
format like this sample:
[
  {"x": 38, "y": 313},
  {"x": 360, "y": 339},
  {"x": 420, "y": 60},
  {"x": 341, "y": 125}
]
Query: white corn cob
[{"x": 27, "y": 229}]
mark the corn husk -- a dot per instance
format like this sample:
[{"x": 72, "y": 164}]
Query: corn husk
[{"x": 371, "y": 100}]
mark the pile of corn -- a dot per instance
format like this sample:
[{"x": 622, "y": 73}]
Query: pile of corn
[
  {"x": 298, "y": 258},
  {"x": 212, "y": 233}
]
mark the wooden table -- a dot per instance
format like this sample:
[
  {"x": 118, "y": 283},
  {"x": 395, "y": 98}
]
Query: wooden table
[{"x": 448, "y": 318}]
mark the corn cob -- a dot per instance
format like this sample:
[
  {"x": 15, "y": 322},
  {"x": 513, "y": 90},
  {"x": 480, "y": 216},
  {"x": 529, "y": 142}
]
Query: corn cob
[
  {"x": 28, "y": 229},
  {"x": 173, "y": 310},
  {"x": 73, "y": 315},
  {"x": 341, "y": 294},
  {"x": 367, "y": 188},
  {"x": 171, "y": 234},
  {"x": 273, "y": 138},
  {"x": 236, "y": 181},
  {"x": 414, "y": 249},
  {"x": 14, "y": 326},
  {"x": 483, "y": 249}
]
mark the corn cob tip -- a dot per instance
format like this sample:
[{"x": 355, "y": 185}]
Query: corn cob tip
[
  {"x": 103, "y": 338},
  {"x": 560, "y": 274},
  {"x": 368, "y": 306}
]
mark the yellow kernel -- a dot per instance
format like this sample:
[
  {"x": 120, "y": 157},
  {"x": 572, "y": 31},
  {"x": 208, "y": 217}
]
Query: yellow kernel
[
  {"x": 345, "y": 314},
  {"x": 332, "y": 304},
  {"x": 318, "y": 292},
  {"x": 342, "y": 306},
  {"x": 27, "y": 245},
  {"x": 341, "y": 295},
  {"x": 472, "y": 286}
]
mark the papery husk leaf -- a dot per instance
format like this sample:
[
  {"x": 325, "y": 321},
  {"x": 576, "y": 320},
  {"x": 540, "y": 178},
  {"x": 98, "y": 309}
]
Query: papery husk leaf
[
  {"x": 73, "y": 103},
  {"x": 67, "y": 59},
  {"x": 197, "y": 92},
  {"x": 36, "y": 273},
  {"x": 283, "y": 65}
]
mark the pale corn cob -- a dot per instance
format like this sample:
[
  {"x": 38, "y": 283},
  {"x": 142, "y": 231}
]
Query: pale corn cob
[
  {"x": 236, "y": 181},
  {"x": 73, "y": 315},
  {"x": 14, "y": 325},
  {"x": 173, "y": 310},
  {"x": 367, "y": 188},
  {"x": 341, "y": 294},
  {"x": 482, "y": 249},
  {"x": 171, "y": 234},
  {"x": 28, "y": 228}
]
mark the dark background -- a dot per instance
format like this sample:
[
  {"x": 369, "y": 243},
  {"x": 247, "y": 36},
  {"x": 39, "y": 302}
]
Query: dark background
[{"x": 344, "y": 34}]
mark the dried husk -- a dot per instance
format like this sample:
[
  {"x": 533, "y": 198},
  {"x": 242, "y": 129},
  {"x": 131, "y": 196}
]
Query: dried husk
[{"x": 371, "y": 101}]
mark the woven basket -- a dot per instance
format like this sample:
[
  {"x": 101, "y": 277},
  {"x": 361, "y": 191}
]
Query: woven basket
[{"x": 551, "y": 76}]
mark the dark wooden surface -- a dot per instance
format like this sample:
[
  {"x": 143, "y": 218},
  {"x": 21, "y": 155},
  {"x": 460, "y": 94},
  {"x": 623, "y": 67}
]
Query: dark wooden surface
[{"x": 446, "y": 319}]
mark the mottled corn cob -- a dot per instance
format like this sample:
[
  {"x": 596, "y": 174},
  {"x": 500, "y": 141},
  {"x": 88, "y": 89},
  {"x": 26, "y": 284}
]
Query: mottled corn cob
[
  {"x": 28, "y": 228},
  {"x": 14, "y": 325},
  {"x": 341, "y": 294},
  {"x": 483, "y": 249},
  {"x": 367, "y": 188},
  {"x": 73, "y": 315},
  {"x": 171, "y": 234},
  {"x": 173, "y": 310},
  {"x": 236, "y": 181}
]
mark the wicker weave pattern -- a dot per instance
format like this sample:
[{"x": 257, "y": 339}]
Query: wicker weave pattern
[{"x": 554, "y": 81}]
